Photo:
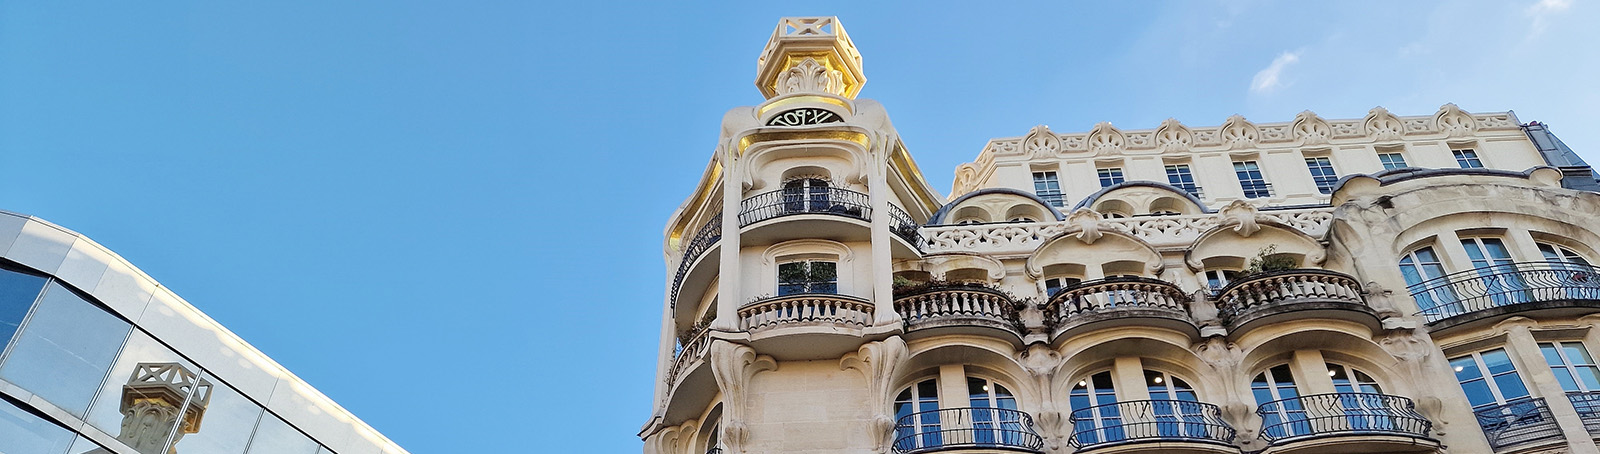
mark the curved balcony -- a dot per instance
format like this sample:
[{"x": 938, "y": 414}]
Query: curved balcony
[
  {"x": 1119, "y": 301},
  {"x": 1293, "y": 294},
  {"x": 1524, "y": 423},
  {"x": 1179, "y": 426},
  {"x": 704, "y": 239},
  {"x": 806, "y": 326},
  {"x": 1345, "y": 422},
  {"x": 962, "y": 429},
  {"x": 956, "y": 308},
  {"x": 689, "y": 381},
  {"x": 817, "y": 213},
  {"x": 902, "y": 225},
  {"x": 1487, "y": 293}
]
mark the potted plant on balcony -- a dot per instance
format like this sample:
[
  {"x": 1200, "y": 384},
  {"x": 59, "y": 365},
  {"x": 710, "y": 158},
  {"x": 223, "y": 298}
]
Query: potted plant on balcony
[{"x": 1268, "y": 260}]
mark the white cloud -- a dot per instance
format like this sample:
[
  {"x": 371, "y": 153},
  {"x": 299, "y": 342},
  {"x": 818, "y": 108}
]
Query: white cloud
[
  {"x": 1268, "y": 79},
  {"x": 1542, "y": 10}
]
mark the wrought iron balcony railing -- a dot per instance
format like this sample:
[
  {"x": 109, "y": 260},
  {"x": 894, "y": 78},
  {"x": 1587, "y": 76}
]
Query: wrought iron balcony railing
[
  {"x": 1518, "y": 422},
  {"x": 685, "y": 352},
  {"x": 804, "y": 309},
  {"x": 1339, "y": 414},
  {"x": 708, "y": 235},
  {"x": 1588, "y": 406},
  {"x": 1237, "y": 301},
  {"x": 1148, "y": 420},
  {"x": 1116, "y": 294},
  {"x": 1509, "y": 284},
  {"x": 790, "y": 201},
  {"x": 957, "y": 305},
  {"x": 957, "y": 428},
  {"x": 902, "y": 225}
]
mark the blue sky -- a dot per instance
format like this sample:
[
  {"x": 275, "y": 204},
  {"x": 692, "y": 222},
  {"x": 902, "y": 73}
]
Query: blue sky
[{"x": 447, "y": 216}]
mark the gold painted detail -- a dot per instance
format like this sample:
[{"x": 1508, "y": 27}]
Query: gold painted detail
[
  {"x": 787, "y": 102},
  {"x": 901, "y": 160},
  {"x": 697, "y": 202},
  {"x": 848, "y": 136}
]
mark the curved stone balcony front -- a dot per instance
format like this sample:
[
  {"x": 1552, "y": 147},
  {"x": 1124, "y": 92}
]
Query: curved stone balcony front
[
  {"x": 1345, "y": 423},
  {"x": 806, "y": 326},
  {"x": 1491, "y": 293},
  {"x": 689, "y": 381},
  {"x": 830, "y": 213},
  {"x": 1119, "y": 301},
  {"x": 1151, "y": 426},
  {"x": 958, "y": 309},
  {"x": 1275, "y": 296},
  {"x": 972, "y": 430}
]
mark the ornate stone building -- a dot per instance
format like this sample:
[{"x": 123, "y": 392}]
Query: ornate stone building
[{"x": 1390, "y": 283}]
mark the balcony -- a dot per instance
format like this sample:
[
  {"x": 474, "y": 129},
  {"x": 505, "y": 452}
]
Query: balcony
[
  {"x": 1487, "y": 293},
  {"x": 958, "y": 309},
  {"x": 902, "y": 225},
  {"x": 966, "y": 429},
  {"x": 689, "y": 381},
  {"x": 817, "y": 213},
  {"x": 1119, "y": 301},
  {"x": 1588, "y": 406},
  {"x": 1165, "y": 426},
  {"x": 806, "y": 326},
  {"x": 1521, "y": 423},
  {"x": 704, "y": 239},
  {"x": 1345, "y": 423},
  {"x": 1292, "y": 294}
]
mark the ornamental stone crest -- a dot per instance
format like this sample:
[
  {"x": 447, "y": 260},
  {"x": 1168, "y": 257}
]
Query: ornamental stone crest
[
  {"x": 1311, "y": 129},
  {"x": 809, "y": 76},
  {"x": 1041, "y": 142},
  {"x": 1105, "y": 138},
  {"x": 1382, "y": 125},
  {"x": 1238, "y": 132},
  {"x": 1453, "y": 122},
  {"x": 1173, "y": 136}
]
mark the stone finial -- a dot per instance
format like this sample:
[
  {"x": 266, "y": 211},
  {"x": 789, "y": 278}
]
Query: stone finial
[
  {"x": 155, "y": 398},
  {"x": 809, "y": 55}
]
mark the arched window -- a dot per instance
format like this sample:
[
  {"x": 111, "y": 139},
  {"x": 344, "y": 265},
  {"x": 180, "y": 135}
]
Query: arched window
[
  {"x": 1559, "y": 255},
  {"x": 1498, "y": 277},
  {"x": 1281, "y": 414},
  {"x": 712, "y": 445},
  {"x": 806, "y": 195},
  {"x": 1094, "y": 409},
  {"x": 1421, "y": 266},
  {"x": 995, "y": 418},
  {"x": 808, "y": 276},
  {"x": 1217, "y": 278},
  {"x": 916, "y": 412},
  {"x": 990, "y": 419}
]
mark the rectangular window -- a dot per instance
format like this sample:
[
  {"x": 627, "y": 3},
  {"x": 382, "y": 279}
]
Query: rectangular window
[
  {"x": 1489, "y": 378},
  {"x": 808, "y": 277},
  {"x": 1392, "y": 161},
  {"x": 1250, "y": 180},
  {"x": 1322, "y": 173},
  {"x": 1047, "y": 187},
  {"x": 1467, "y": 158},
  {"x": 1055, "y": 284},
  {"x": 1573, "y": 366},
  {"x": 64, "y": 351},
  {"x": 1180, "y": 177},
  {"x": 1110, "y": 176}
]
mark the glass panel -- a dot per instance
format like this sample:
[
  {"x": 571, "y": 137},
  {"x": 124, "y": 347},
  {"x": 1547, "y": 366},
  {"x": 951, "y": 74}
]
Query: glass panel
[
  {"x": 1576, "y": 353},
  {"x": 222, "y": 425},
  {"x": 1565, "y": 377},
  {"x": 1478, "y": 392},
  {"x": 84, "y": 446},
  {"x": 1497, "y": 361},
  {"x": 1511, "y": 386},
  {"x": 1552, "y": 356},
  {"x": 146, "y": 388},
  {"x": 65, "y": 350},
  {"x": 17, "y": 293},
  {"x": 22, "y": 432},
  {"x": 1590, "y": 377},
  {"x": 274, "y": 436}
]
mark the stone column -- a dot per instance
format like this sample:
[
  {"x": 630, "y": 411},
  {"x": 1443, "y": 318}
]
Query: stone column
[
  {"x": 1524, "y": 350},
  {"x": 728, "y": 297},
  {"x": 882, "y": 256}
]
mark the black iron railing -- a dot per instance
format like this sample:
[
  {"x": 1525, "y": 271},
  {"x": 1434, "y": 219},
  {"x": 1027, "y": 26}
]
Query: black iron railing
[
  {"x": 791, "y": 201},
  {"x": 1518, "y": 422},
  {"x": 1341, "y": 413},
  {"x": 1504, "y": 285},
  {"x": 953, "y": 428},
  {"x": 1148, "y": 420},
  {"x": 714, "y": 450},
  {"x": 708, "y": 235},
  {"x": 1588, "y": 406},
  {"x": 1256, "y": 189},
  {"x": 904, "y": 226}
]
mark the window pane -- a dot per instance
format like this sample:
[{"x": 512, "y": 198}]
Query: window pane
[
  {"x": 1565, "y": 377},
  {"x": 1551, "y": 355},
  {"x": 225, "y": 423},
  {"x": 146, "y": 377},
  {"x": 1466, "y": 368},
  {"x": 1510, "y": 386},
  {"x": 274, "y": 436},
  {"x": 24, "y": 433},
  {"x": 84, "y": 446},
  {"x": 65, "y": 350},
  {"x": 1576, "y": 353},
  {"x": 1497, "y": 361},
  {"x": 17, "y": 292},
  {"x": 1478, "y": 392}
]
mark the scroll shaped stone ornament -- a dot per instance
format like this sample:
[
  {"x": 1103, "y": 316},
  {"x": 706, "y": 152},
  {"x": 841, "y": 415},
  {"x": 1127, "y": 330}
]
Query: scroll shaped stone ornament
[
  {"x": 1412, "y": 349},
  {"x": 1382, "y": 125},
  {"x": 1454, "y": 122},
  {"x": 1224, "y": 358},
  {"x": 664, "y": 442},
  {"x": 1381, "y": 300},
  {"x": 1041, "y": 142},
  {"x": 1040, "y": 361},
  {"x": 966, "y": 178},
  {"x": 1241, "y": 216},
  {"x": 1238, "y": 132},
  {"x": 809, "y": 76},
  {"x": 1085, "y": 224},
  {"x": 1105, "y": 138},
  {"x": 878, "y": 363},
  {"x": 1173, "y": 136},
  {"x": 1311, "y": 129},
  {"x": 733, "y": 365}
]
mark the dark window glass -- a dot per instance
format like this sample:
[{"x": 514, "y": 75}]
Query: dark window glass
[
  {"x": 1110, "y": 176},
  {"x": 808, "y": 277},
  {"x": 1047, "y": 187},
  {"x": 1251, "y": 181},
  {"x": 1322, "y": 173},
  {"x": 17, "y": 293},
  {"x": 1468, "y": 159},
  {"x": 1180, "y": 177},
  {"x": 1392, "y": 161}
]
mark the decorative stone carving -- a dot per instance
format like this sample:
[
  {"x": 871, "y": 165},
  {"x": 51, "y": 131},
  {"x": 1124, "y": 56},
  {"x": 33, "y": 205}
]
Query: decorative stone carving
[
  {"x": 1311, "y": 129},
  {"x": 1086, "y": 223},
  {"x": 732, "y": 365},
  {"x": 1453, "y": 122},
  {"x": 1218, "y": 353},
  {"x": 810, "y": 76},
  {"x": 1041, "y": 361},
  {"x": 153, "y": 401},
  {"x": 1241, "y": 216},
  {"x": 1382, "y": 125},
  {"x": 1159, "y": 231},
  {"x": 1140, "y": 140},
  {"x": 1238, "y": 132},
  {"x": 878, "y": 363},
  {"x": 1105, "y": 138},
  {"x": 1041, "y": 142},
  {"x": 1173, "y": 136}
]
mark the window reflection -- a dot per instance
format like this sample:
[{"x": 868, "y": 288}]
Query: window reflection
[
  {"x": 227, "y": 422},
  {"x": 65, "y": 350},
  {"x": 274, "y": 436},
  {"x": 22, "y": 432},
  {"x": 141, "y": 399},
  {"x": 17, "y": 292}
]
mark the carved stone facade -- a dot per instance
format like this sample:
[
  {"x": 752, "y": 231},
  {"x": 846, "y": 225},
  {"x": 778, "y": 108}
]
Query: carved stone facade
[{"x": 1249, "y": 287}]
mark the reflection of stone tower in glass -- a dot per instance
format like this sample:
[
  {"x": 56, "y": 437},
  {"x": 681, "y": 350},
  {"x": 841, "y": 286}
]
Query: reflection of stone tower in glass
[{"x": 154, "y": 400}]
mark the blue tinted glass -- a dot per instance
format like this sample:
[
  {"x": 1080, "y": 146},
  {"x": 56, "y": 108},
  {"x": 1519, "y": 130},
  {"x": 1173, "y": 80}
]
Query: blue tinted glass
[
  {"x": 62, "y": 355},
  {"x": 273, "y": 436},
  {"x": 23, "y": 433},
  {"x": 1497, "y": 250},
  {"x": 1478, "y": 392},
  {"x": 1511, "y": 386},
  {"x": 1497, "y": 361},
  {"x": 17, "y": 292},
  {"x": 1466, "y": 368}
]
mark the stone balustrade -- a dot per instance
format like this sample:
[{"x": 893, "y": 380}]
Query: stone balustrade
[
  {"x": 1117, "y": 298},
  {"x": 957, "y": 306},
  {"x": 1260, "y": 295},
  {"x": 805, "y": 309}
]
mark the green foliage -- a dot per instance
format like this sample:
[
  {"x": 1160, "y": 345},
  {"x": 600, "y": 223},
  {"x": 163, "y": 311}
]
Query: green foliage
[{"x": 1268, "y": 260}]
